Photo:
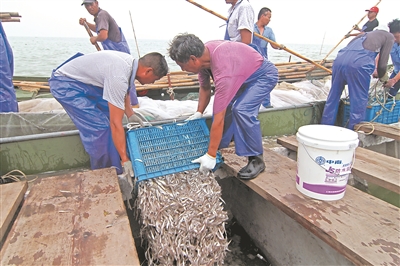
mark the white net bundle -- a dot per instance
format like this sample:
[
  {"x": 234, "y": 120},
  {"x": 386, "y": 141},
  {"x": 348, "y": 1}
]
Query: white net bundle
[{"x": 182, "y": 219}]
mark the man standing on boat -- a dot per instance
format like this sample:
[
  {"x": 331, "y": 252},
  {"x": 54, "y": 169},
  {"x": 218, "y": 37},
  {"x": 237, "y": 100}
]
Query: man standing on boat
[
  {"x": 108, "y": 33},
  {"x": 260, "y": 27},
  {"x": 370, "y": 25},
  {"x": 239, "y": 27},
  {"x": 8, "y": 99},
  {"x": 354, "y": 66},
  {"x": 96, "y": 100},
  {"x": 241, "y": 84},
  {"x": 394, "y": 80}
]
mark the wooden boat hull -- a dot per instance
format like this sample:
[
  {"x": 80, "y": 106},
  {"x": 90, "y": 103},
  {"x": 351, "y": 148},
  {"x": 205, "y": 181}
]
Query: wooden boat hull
[{"x": 60, "y": 150}]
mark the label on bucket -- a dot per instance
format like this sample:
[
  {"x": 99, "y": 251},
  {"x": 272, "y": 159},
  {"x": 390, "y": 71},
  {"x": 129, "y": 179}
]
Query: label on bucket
[{"x": 323, "y": 174}]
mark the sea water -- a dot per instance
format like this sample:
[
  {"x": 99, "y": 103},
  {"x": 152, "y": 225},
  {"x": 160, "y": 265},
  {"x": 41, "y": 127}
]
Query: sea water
[{"x": 38, "y": 56}]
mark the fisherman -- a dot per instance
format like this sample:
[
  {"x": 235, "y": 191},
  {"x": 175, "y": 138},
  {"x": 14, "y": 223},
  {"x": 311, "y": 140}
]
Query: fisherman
[
  {"x": 241, "y": 83},
  {"x": 394, "y": 80},
  {"x": 108, "y": 33},
  {"x": 96, "y": 99},
  {"x": 239, "y": 27},
  {"x": 370, "y": 25},
  {"x": 354, "y": 66},
  {"x": 8, "y": 99},
  {"x": 261, "y": 27}
]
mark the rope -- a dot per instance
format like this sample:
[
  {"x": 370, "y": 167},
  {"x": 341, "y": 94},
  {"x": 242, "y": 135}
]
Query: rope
[
  {"x": 15, "y": 178},
  {"x": 369, "y": 133}
]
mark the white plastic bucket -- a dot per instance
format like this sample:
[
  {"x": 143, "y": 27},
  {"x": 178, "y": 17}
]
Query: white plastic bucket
[{"x": 324, "y": 160}]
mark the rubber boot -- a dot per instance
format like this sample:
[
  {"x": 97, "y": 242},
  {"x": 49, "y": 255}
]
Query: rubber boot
[
  {"x": 244, "y": 169},
  {"x": 255, "y": 166}
]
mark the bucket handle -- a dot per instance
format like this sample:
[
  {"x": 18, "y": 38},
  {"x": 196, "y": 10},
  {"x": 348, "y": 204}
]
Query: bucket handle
[{"x": 352, "y": 162}]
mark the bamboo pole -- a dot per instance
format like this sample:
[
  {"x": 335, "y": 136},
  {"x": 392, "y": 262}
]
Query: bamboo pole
[
  {"x": 265, "y": 39},
  {"x": 10, "y": 20},
  {"x": 134, "y": 34},
  {"x": 91, "y": 35},
  {"x": 344, "y": 37}
]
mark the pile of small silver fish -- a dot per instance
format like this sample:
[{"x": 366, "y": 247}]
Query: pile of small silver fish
[{"x": 182, "y": 219}]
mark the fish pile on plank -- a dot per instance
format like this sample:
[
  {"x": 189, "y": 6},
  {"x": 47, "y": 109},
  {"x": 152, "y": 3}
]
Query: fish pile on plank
[{"x": 182, "y": 219}]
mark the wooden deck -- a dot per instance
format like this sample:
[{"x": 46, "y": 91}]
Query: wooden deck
[
  {"x": 374, "y": 167},
  {"x": 72, "y": 219},
  {"x": 360, "y": 228},
  {"x": 11, "y": 196}
]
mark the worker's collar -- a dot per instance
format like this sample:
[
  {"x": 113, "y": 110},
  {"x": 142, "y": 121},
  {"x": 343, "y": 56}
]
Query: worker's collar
[{"x": 135, "y": 65}]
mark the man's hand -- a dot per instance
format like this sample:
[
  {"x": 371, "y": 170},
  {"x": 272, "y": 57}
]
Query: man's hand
[
  {"x": 196, "y": 115},
  {"x": 82, "y": 21},
  {"x": 356, "y": 27},
  {"x": 390, "y": 83},
  {"x": 207, "y": 163},
  {"x": 128, "y": 170},
  {"x": 136, "y": 119}
]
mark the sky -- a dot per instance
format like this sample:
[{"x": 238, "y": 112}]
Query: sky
[{"x": 293, "y": 21}]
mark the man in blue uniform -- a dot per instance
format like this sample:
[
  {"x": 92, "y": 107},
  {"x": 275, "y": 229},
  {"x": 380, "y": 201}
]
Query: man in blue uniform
[
  {"x": 96, "y": 100},
  {"x": 394, "y": 80},
  {"x": 8, "y": 99},
  {"x": 354, "y": 66},
  {"x": 108, "y": 33}
]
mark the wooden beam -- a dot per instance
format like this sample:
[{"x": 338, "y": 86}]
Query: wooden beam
[
  {"x": 11, "y": 196},
  {"x": 374, "y": 167},
  {"x": 379, "y": 129}
]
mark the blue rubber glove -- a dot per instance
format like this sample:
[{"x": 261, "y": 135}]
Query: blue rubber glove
[
  {"x": 207, "y": 163},
  {"x": 196, "y": 115}
]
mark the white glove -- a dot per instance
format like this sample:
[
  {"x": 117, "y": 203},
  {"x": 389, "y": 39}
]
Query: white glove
[
  {"x": 207, "y": 163},
  {"x": 128, "y": 170},
  {"x": 136, "y": 118},
  {"x": 196, "y": 115}
]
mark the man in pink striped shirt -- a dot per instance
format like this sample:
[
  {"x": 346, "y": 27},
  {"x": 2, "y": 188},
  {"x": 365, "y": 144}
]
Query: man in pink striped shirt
[{"x": 242, "y": 78}]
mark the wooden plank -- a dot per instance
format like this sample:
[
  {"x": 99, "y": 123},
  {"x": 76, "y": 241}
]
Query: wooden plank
[
  {"x": 11, "y": 196},
  {"x": 361, "y": 227},
  {"x": 379, "y": 129},
  {"x": 374, "y": 167},
  {"x": 72, "y": 219}
]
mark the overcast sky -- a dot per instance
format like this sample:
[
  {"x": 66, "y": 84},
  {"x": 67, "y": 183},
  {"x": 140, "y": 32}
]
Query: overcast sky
[{"x": 293, "y": 21}]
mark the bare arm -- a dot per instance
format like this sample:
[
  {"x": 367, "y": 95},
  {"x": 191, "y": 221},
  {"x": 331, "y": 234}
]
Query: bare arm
[
  {"x": 102, "y": 36},
  {"x": 216, "y": 132},
  {"x": 118, "y": 132},
  {"x": 128, "y": 107},
  {"x": 246, "y": 35},
  {"x": 204, "y": 98}
]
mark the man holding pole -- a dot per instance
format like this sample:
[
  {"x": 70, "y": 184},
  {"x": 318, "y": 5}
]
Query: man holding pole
[
  {"x": 260, "y": 27},
  {"x": 108, "y": 32},
  {"x": 241, "y": 84},
  {"x": 370, "y": 25}
]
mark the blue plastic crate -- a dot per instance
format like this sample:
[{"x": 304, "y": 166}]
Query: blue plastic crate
[
  {"x": 166, "y": 149},
  {"x": 385, "y": 115}
]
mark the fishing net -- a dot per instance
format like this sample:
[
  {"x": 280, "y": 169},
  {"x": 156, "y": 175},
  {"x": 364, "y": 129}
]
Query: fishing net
[{"x": 182, "y": 219}]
